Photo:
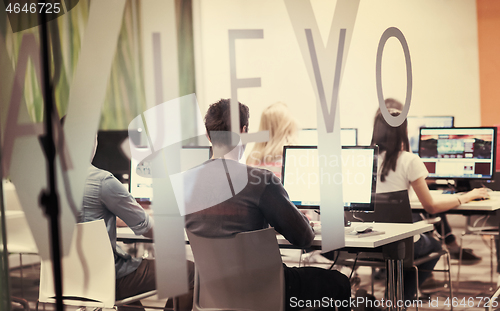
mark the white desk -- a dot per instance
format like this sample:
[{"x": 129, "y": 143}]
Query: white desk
[
  {"x": 125, "y": 234},
  {"x": 491, "y": 205},
  {"x": 393, "y": 233},
  {"x": 392, "y": 239}
]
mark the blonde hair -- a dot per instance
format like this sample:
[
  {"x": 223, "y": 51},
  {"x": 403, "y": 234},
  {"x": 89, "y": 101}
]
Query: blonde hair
[{"x": 283, "y": 129}]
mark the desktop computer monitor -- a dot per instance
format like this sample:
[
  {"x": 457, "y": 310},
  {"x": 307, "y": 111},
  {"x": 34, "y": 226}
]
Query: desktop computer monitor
[
  {"x": 309, "y": 137},
  {"x": 416, "y": 123},
  {"x": 111, "y": 152},
  {"x": 301, "y": 176},
  {"x": 459, "y": 153},
  {"x": 141, "y": 181}
]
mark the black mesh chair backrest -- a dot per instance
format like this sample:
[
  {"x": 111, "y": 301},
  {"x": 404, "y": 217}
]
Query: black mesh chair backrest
[{"x": 390, "y": 207}]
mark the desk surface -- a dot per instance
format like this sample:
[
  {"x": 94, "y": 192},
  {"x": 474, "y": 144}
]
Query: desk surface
[
  {"x": 490, "y": 205},
  {"x": 125, "y": 234},
  {"x": 393, "y": 233}
]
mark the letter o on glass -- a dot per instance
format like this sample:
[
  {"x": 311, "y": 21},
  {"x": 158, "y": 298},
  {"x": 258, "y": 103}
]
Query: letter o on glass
[{"x": 393, "y": 32}]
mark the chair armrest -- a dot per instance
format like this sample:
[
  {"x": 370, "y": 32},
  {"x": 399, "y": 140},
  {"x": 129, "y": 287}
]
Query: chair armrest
[
  {"x": 433, "y": 221},
  {"x": 493, "y": 230},
  {"x": 22, "y": 302},
  {"x": 430, "y": 221}
]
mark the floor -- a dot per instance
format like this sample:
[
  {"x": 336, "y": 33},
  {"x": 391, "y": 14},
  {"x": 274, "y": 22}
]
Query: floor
[{"x": 475, "y": 286}]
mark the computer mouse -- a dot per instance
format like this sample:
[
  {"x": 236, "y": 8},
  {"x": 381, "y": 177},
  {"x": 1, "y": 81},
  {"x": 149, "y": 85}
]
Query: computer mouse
[
  {"x": 481, "y": 199},
  {"x": 363, "y": 228}
]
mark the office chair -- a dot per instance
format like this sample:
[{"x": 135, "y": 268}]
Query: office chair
[
  {"x": 481, "y": 226},
  {"x": 478, "y": 227},
  {"x": 21, "y": 301},
  {"x": 88, "y": 271},
  {"x": 394, "y": 207},
  {"x": 493, "y": 298},
  {"x": 242, "y": 272},
  {"x": 19, "y": 238}
]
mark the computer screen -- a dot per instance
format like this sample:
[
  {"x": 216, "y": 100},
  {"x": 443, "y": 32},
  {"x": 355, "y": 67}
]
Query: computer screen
[
  {"x": 301, "y": 176},
  {"x": 458, "y": 152},
  {"x": 309, "y": 137},
  {"x": 111, "y": 152},
  {"x": 416, "y": 123},
  {"x": 141, "y": 183}
]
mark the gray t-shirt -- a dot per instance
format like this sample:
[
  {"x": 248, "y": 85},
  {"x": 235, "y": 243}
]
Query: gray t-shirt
[
  {"x": 106, "y": 198},
  {"x": 262, "y": 202}
]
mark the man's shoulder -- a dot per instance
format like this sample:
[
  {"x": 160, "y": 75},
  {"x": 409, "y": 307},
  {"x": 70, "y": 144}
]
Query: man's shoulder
[
  {"x": 262, "y": 175},
  {"x": 254, "y": 171},
  {"x": 260, "y": 171},
  {"x": 97, "y": 173}
]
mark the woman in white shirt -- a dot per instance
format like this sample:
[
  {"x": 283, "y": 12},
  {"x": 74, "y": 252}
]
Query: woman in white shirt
[{"x": 398, "y": 169}]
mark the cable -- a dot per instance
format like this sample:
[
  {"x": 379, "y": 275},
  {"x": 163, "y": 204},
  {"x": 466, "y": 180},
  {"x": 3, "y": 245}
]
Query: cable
[
  {"x": 335, "y": 261},
  {"x": 354, "y": 216},
  {"x": 354, "y": 266}
]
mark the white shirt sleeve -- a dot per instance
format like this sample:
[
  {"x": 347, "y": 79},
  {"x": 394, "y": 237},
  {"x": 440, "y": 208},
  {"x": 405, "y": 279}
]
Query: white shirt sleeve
[{"x": 416, "y": 168}]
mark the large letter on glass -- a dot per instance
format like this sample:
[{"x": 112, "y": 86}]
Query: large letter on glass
[
  {"x": 393, "y": 32},
  {"x": 325, "y": 69},
  {"x": 242, "y": 83}
]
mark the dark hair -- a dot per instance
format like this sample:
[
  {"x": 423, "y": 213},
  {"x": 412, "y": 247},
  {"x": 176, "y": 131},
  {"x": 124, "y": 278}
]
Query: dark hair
[
  {"x": 389, "y": 139},
  {"x": 391, "y": 103},
  {"x": 218, "y": 117}
]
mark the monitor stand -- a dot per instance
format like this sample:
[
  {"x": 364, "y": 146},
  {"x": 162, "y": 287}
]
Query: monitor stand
[
  {"x": 462, "y": 185},
  {"x": 347, "y": 223}
]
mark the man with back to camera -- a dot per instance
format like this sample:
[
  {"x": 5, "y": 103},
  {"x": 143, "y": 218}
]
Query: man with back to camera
[
  {"x": 105, "y": 198},
  {"x": 258, "y": 200}
]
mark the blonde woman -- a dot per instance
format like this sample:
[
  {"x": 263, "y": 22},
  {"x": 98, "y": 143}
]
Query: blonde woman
[{"x": 283, "y": 130}]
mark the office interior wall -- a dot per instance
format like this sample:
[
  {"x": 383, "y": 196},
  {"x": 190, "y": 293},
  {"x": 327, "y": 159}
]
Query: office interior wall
[
  {"x": 172, "y": 74},
  {"x": 158, "y": 17},
  {"x": 187, "y": 84},
  {"x": 441, "y": 34},
  {"x": 488, "y": 22}
]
